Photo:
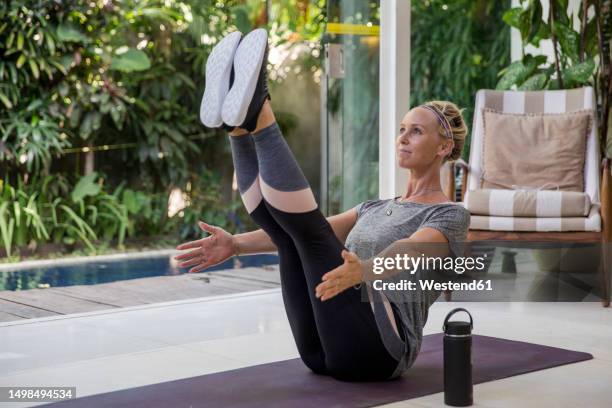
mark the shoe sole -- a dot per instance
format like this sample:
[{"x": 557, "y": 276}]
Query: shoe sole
[
  {"x": 218, "y": 70},
  {"x": 247, "y": 64}
]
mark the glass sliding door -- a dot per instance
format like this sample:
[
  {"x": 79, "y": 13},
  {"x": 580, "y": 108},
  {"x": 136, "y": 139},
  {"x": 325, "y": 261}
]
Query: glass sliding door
[{"x": 351, "y": 111}]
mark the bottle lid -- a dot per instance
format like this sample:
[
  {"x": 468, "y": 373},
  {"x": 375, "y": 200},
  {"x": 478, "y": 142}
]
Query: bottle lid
[{"x": 458, "y": 328}]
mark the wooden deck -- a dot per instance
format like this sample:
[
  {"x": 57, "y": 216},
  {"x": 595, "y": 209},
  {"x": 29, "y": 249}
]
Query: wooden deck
[{"x": 28, "y": 304}]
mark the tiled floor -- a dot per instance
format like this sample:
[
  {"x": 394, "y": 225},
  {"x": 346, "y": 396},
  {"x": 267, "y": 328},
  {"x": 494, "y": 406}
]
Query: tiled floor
[{"x": 117, "y": 349}]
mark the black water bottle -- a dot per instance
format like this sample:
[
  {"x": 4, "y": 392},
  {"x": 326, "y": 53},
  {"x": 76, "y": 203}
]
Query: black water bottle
[{"x": 458, "y": 361}]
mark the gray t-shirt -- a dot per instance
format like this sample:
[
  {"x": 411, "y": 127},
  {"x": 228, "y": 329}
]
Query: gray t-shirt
[{"x": 379, "y": 224}]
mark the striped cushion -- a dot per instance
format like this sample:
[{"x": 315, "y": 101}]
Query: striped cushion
[
  {"x": 527, "y": 203},
  {"x": 550, "y": 224},
  {"x": 549, "y": 101}
]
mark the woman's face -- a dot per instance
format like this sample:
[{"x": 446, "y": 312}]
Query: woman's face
[{"x": 419, "y": 144}]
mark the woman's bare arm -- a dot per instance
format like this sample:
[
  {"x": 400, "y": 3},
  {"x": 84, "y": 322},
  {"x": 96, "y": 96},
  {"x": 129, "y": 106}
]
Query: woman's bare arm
[
  {"x": 353, "y": 271},
  {"x": 259, "y": 241},
  {"x": 343, "y": 223},
  {"x": 254, "y": 242},
  {"x": 426, "y": 241}
]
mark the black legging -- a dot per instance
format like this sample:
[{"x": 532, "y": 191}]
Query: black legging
[{"x": 339, "y": 336}]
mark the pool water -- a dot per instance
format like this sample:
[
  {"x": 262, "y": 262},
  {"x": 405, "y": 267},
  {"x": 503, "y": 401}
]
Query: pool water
[{"x": 93, "y": 272}]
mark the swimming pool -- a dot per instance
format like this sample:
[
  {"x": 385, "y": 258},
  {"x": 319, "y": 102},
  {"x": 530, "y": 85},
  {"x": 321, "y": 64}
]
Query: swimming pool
[{"x": 104, "y": 271}]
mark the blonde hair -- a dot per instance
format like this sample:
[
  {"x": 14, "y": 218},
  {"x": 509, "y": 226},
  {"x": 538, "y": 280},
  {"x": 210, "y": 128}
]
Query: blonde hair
[{"x": 458, "y": 128}]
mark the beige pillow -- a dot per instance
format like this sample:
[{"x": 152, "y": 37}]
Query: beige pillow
[{"x": 544, "y": 150}]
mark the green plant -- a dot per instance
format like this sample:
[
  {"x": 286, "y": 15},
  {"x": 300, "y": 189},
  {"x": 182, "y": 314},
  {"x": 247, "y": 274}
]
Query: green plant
[
  {"x": 147, "y": 213},
  {"x": 30, "y": 137},
  {"x": 72, "y": 227},
  {"x": 203, "y": 204},
  {"x": 20, "y": 217},
  {"x": 78, "y": 75},
  {"x": 580, "y": 57},
  {"x": 97, "y": 213},
  {"x": 48, "y": 210},
  {"x": 457, "y": 48},
  {"x": 28, "y": 42},
  {"x": 574, "y": 52}
]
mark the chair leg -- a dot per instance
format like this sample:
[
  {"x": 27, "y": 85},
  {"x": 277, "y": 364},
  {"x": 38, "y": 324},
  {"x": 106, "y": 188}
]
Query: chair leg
[{"x": 605, "y": 274}]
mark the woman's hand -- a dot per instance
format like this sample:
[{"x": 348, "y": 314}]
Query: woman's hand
[
  {"x": 350, "y": 273},
  {"x": 208, "y": 251}
]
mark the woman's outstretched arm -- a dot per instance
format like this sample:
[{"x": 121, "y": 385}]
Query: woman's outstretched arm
[
  {"x": 343, "y": 223},
  {"x": 426, "y": 241},
  {"x": 221, "y": 245},
  {"x": 353, "y": 271},
  {"x": 253, "y": 242}
]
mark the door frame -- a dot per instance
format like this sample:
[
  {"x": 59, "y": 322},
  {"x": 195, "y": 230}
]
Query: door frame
[
  {"x": 395, "y": 27},
  {"x": 394, "y": 99}
]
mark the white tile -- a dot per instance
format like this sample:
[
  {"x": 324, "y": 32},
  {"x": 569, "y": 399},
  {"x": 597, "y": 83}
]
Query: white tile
[
  {"x": 196, "y": 322},
  {"x": 584, "y": 384},
  {"x": 577, "y": 326},
  {"x": 31, "y": 346},
  {"x": 42, "y": 344},
  {"x": 125, "y": 349},
  {"x": 402, "y": 404},
  {"x": 418, "y": 403},
  {"x": 119, "y": 372},
  {"x": 254, "y": 348}
]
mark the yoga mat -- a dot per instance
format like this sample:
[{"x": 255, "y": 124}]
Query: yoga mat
[{"x": 290, "y": 384}]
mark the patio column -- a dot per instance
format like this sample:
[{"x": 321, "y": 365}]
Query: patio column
[{"x": 394, "y": 91}]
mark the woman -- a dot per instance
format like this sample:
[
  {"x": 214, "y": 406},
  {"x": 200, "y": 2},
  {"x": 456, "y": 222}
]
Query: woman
[{"x": 336, "y": 332}]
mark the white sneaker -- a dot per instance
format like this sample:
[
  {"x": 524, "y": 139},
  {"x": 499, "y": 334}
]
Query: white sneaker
[
  {"x": 219, "y": 67},
  {"x": 249, "y": 89}
]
